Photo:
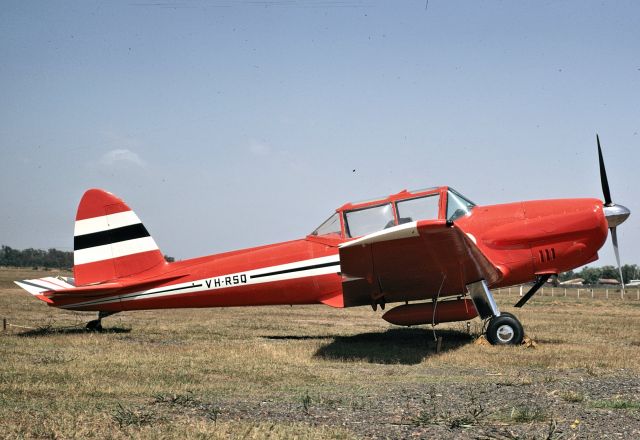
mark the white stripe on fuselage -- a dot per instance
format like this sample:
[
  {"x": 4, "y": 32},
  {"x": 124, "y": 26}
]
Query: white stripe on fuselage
[
  {"x": 105, "y": 222},
  {"x": 114, "y": 250},
  {"x": 250, "y": 277}
]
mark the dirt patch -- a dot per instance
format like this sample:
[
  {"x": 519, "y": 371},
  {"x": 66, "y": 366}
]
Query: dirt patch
[{"x": 509, "y": 410}]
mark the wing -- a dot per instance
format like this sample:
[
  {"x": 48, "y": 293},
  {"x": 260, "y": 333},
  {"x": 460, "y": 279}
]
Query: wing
[{"x": 410, "y": 262}]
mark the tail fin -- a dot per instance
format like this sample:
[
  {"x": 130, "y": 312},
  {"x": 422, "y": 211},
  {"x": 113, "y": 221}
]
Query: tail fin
[{"x": 110, "y": 241}]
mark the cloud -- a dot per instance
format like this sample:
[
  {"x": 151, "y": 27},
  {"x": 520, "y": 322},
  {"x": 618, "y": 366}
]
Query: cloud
[
  {"x": 259, "y": 148},
  {"x": 121, "y": 156}
]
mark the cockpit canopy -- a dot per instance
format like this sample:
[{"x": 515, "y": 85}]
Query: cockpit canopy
[{"x": 362, "y": 218}]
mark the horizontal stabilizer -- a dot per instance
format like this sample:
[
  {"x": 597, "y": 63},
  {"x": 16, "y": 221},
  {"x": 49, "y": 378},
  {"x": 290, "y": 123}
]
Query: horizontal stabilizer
[
  {"x": 39, "y": 285},
  {"x": 54, "y": 288}
]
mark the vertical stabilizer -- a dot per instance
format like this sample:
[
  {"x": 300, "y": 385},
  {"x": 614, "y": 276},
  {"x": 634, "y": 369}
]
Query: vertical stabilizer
[{"x": 110, "y": 241}]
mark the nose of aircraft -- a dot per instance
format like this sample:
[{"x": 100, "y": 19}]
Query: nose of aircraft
[{"x": 616, "y": 214}]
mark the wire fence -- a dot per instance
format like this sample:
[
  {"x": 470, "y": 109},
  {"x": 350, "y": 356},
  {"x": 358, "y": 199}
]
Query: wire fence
[{"x": 585, "y": 292}]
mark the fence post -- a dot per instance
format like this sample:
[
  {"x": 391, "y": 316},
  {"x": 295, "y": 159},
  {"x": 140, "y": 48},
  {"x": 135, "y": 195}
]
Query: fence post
[
  {"x": 607, "y": 293},
  {"x": 578, "y": 293},
  {"x": 552, "y": 292},
  {"x": 565, "y": 291},
  {"x": 509, "y": 290},
  {"x": 592, "y": 293}
]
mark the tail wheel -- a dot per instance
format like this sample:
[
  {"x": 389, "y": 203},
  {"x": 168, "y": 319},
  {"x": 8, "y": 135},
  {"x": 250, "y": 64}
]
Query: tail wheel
[
  {"x": 95, "y": 325},
  {"x": 505, "y": 330}
]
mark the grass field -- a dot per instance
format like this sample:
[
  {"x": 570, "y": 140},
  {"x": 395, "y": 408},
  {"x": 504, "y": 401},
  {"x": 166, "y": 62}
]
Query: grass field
[{"x": 315, "y": 372}]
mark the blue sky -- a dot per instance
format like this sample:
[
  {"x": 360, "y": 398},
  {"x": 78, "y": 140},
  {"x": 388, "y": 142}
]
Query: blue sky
[{"x": 228, "y": 124}]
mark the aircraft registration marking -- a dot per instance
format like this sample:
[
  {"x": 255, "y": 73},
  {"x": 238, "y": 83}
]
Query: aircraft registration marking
[{"x": 227, "y": 281}]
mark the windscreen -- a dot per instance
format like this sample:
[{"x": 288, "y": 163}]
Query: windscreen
[
  {"x": 457, "y": 205},
  {"x": 330, "y": 226}
]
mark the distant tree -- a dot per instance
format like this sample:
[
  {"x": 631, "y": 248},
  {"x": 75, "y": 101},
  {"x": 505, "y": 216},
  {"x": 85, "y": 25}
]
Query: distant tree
[
  {"x": 591, "y": 275},
  {"x": 568, "y": 275},
  {"x": 610, "y": 272},
  {"x": 35, "y": 258},
  {"x": 630, "y": 272}
]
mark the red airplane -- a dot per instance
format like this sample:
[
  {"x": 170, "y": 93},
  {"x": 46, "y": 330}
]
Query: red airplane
[{"x": 432, "y": 249}]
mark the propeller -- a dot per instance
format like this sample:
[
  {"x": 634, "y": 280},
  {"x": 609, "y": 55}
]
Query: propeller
[{"x": 615, "y": 214}]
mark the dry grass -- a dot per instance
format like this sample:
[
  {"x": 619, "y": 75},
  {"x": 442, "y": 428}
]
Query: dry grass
[{"x": 207, "y": 373}]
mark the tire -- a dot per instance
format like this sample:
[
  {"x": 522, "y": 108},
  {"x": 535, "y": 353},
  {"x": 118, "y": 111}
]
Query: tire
[{"x": 505, "y": 330}]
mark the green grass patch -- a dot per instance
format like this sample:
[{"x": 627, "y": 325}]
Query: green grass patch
[
  {"x": 572, "y": 396},
  {"x": 528, "y": 413},
  {"x": 615, "y": 404}
]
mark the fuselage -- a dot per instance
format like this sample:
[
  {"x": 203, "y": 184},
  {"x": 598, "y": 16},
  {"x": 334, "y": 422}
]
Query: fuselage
[{"x": 522, "y": 239}]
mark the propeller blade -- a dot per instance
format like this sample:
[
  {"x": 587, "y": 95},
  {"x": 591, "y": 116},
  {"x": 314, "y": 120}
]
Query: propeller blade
[
  {"x": 614, "y": 239},
  {"x": 603, "y": 177}
]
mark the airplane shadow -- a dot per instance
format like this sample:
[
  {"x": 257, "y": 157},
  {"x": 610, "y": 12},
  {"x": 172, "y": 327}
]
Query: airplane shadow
[
  {"x": 407, "y": 346},
  {"x": 50, "y": 331}
]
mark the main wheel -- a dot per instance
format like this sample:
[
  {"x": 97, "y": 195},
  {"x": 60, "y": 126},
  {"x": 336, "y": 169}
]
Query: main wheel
[{"x": 505, "y": 330}]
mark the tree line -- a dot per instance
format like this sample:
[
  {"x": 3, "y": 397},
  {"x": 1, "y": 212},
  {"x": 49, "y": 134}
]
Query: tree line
[
  {"x": 50, "y": 259},
  {"x": 591, "y": 275}
]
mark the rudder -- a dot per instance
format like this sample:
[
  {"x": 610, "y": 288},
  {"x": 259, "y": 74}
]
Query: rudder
[{"x": 110, "y": 241}]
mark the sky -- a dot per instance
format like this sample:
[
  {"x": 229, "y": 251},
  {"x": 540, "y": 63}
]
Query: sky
[{"x": 230, "y": 124}]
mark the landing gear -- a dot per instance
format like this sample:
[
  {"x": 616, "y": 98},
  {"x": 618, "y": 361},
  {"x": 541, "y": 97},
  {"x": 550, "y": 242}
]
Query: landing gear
[
  {"x": 96, "y": 324},
  {"x": 505, "y": 330}
]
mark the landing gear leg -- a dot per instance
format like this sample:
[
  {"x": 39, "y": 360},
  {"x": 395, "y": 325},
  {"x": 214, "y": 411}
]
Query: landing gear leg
[
  {"x": 503, "y": 328},
  {"x": 96, "y": 324}
]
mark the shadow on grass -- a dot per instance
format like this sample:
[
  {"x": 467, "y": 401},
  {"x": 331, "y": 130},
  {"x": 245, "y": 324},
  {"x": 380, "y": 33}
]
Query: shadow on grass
[
  {"x": 395, "y": 346},
  {"x": 49, "y": 331}
]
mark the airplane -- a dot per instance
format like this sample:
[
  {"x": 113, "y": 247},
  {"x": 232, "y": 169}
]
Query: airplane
[{"x": 432, "y": 249}]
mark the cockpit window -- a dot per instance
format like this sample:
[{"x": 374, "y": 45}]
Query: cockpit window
[
  {"x": 330, "y": 226},
  {"x": 457, "y": 205},
  {"x": 421, "y": 208},
  {"x": 368, "y": 220}
]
